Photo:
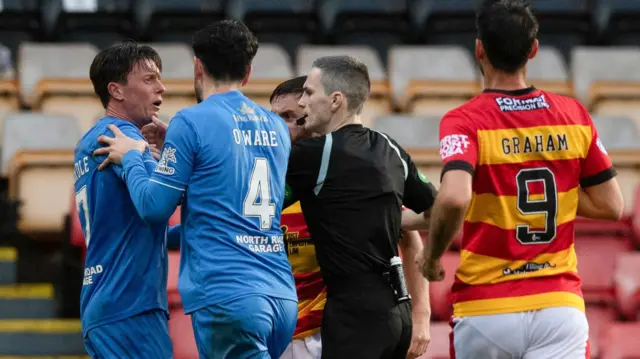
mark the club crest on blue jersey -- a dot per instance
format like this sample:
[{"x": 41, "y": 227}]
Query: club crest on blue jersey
[{"x": 168, "y": 155}]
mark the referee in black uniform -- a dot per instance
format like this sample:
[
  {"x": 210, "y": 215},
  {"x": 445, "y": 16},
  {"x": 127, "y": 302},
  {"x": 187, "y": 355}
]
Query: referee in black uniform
[{"x": 351, "y": 184}]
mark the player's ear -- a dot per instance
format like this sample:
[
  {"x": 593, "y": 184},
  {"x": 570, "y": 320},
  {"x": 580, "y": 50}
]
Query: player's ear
[
  {"x": 197, "y": 68},
  {"x": 116, "y": 91},
  {"x": 534, "y": 49},
  {"x": 246, "y": 77},
  {"x": 479, "y": 50},
  {"x": 337, "y": 100}
]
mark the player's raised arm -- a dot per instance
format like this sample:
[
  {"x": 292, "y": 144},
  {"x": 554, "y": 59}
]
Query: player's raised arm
[
  {"x": 459, "y": 152},
  {"x": 157, "y": 196},
  {"x": 599, "y": 196}
]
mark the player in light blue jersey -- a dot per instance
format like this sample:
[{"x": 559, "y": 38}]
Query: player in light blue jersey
[
  {"x": 124, "y": 293},
  {"x": 226, "y": 159}
]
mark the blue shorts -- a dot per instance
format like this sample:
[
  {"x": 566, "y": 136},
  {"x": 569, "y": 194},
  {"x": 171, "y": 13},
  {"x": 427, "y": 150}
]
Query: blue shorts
[
  {"x": 145, "y": 335},
  {"x": 251, "y": 327}
]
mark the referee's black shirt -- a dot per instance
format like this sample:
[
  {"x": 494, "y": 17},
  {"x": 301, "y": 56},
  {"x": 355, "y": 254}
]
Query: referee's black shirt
[{"x": 352, "y": 184}]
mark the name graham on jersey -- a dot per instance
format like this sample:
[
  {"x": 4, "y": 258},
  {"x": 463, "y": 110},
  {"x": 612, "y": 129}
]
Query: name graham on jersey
[
  {"x": 256, "y": 137},
  {"x": 538, "y": 143},
  {"x": 81, "y": 167},
  {"x": 262, "y": 244},
  {"x": 89, "y": 272}
]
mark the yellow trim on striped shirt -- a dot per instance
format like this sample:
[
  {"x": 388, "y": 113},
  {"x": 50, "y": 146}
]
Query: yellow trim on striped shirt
[
  {"x": 548, "y": 143},
  {"x": 294, "y": 208},
  {"x": 40, "y": 326},
  {"x": 517, "y": 304},
  {"x": 8, "y": 254},
  {"x": 477, "y": 269},
  {"x": 501, "y": 211},
  {"x": 26, "y": 291}
]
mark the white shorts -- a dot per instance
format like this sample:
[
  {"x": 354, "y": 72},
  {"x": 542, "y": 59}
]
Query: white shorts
[
  {"x": 305, "y": 348},
  {"x": 551, "y": 333}
]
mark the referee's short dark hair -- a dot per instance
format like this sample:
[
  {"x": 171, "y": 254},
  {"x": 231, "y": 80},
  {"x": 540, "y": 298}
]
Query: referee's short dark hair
[
  {"x": 507, "y": 30},
  {"x": 345, "y": 74},
  {"x": 291, "y": 86}
]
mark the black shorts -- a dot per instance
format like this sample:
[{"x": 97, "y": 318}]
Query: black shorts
[{"x": 365, "y": 324}]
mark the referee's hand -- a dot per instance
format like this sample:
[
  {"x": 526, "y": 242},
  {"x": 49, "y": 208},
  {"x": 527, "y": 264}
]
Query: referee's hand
[{"x": 420, "y": 337}]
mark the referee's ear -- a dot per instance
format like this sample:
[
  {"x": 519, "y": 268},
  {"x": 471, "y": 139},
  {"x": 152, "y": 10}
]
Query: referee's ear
[{"x": 337, "y": 100}]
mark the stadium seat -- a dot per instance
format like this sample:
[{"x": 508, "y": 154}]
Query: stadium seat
[
  {"x": 590, "y": 65},
  {"x": 8, "y": 100},
  {"x": 99, "y": 22},
  {"x": 177, "y": 77},
  {"x": 445, "y": 78},
  {"x": 440, "y": 292},
  {"x": 19, "y": 22},
  {"x": 621, "y": 22},
  {"x": 181, "y": 332},
  {"x": 620, "y": 341},
  {"x": 53, "y": 80},
  {"x": 172, "y": 280},
  {"x": 418, "y": 135},
  {"x": 449, "y": 22},
  {"x": 378, "y": 24},
  {"x": 271, "y": 66},
  {"x": 35, "y": 131},
  {"x": 176, "y": 20},
  {"x": 288, "y": 23},
  {"x": 627, "y": 284},
  {"x": 440, "y": 342},
  {"x": 379, "y": 99},
  {"x": 548, "y": 71},
  {"x": 599, "y": 318},
  {"x": 620, "y": 136},
  {"x": 41, "y": 181},
  {"x": 596, "y": 264},
  {"x": 565, "y": 24}
]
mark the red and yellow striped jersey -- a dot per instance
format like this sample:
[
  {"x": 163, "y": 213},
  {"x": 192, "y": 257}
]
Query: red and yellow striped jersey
[
  {"x": 529, "y": 152},
  {"x": 306, "y": 272}
]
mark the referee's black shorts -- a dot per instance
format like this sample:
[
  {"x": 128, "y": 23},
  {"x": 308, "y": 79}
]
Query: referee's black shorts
[{"x": 362, "y": 320}]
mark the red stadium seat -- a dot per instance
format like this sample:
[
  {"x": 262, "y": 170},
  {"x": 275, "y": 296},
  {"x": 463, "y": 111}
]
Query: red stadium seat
[
  {"x": 600, "y": 318},
  {"x": 172, "y": 280},
  {"x": 596, "y": 262},
  {"x": 440, "y": 292},
  {"x": 620, "y": 341},
  {"x": 585, "y": 227},
  {"x": 627, "y": 284},
  {"x": 440, "y": 342},
  {"x": 181, "y": 332}
]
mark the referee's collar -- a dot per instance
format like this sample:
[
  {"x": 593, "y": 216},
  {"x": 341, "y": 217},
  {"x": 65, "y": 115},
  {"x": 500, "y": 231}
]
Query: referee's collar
[
  {"x": 520, "y": 92},
  {"x": 349, "y": 127}
]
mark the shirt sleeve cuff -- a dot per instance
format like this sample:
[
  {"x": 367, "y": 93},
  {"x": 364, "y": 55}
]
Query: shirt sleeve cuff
[
  {"x": 598, "y": 178},
  {"x": 457, "y": 165}
]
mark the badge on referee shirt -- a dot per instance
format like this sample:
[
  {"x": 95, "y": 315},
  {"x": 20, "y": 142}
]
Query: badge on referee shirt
[{"x": 422, "y": 177}]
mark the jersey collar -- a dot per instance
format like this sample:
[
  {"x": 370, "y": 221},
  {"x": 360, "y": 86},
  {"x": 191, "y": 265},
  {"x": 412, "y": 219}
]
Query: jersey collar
[{"x": 520, "y": 92}]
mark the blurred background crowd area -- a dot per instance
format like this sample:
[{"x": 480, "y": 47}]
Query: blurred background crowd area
[{"x": 420, "y": 57}]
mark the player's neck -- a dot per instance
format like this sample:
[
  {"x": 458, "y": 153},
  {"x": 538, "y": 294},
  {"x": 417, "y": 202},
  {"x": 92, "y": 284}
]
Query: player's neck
[
  {"x": 115, "y": 112},
  {"x": 213, "y": 88},
  {"x": 496, "y": 80},
  {"x": 351, "y": 119}
]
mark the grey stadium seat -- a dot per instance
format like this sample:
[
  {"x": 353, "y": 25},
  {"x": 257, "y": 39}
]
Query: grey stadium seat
[
  {"x": 448, "y": 74},
  {"x": 410, "y": 131}
]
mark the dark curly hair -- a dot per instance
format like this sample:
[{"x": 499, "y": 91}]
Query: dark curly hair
[{"x": 226, "y": 49}]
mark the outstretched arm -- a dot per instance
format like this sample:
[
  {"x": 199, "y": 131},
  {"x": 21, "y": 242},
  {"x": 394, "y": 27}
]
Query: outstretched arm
[{"x": 411, "y": 246}]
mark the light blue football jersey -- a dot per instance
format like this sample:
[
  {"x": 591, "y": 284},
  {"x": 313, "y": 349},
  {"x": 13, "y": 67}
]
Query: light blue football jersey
[
  {"x": 126, "y": 263},
  {"x": 226, "y": 159}
]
